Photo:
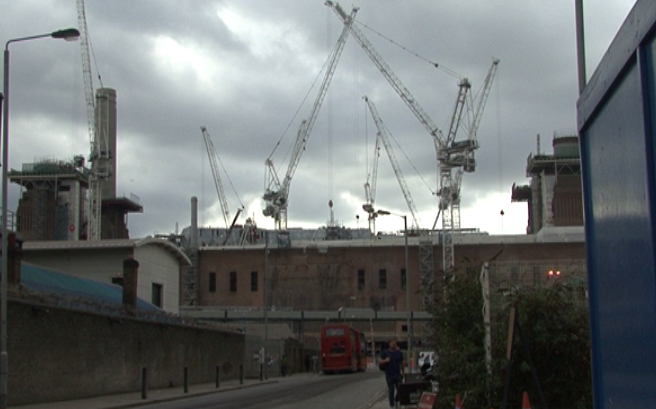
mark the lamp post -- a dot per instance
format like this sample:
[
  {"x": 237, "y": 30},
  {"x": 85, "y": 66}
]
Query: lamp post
[
  {"x": 407, "y": 279},
  {"x": 66, "y": 34},
  {"x": 266, "y": 304}
]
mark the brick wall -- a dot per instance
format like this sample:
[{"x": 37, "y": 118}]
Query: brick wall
[{"x": 328, "y": 278}]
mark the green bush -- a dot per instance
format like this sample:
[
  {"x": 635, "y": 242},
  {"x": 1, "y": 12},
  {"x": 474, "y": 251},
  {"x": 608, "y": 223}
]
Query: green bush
[{"x": 555, "y": 329}]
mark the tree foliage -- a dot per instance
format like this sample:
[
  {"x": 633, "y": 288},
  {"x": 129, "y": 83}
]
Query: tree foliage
[{"x": 556, "y": 332}]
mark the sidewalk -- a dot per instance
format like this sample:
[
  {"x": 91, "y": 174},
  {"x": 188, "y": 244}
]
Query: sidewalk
[
  {"x": 133, "y": 399},
  {"x": 380, "y": 402}
]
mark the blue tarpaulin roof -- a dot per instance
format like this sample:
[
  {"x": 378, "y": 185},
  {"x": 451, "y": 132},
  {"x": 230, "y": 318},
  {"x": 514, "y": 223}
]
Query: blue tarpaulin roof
[{"x": 42, "y": 280}]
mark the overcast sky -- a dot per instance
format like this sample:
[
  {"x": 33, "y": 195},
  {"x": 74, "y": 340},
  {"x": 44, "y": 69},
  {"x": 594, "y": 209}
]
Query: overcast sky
[{"x": 243, "y": 68}]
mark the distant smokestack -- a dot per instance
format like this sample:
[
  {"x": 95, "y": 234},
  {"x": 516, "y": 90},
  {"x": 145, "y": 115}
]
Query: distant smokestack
[
  {"x": 106, "y": 132},
  {"x": 193, "y": 240}
]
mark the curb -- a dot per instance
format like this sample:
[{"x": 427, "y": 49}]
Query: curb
[{"x": 147, "y": 402}]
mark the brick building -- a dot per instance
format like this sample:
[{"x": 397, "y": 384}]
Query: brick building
[{"x": 369, "y": 274}]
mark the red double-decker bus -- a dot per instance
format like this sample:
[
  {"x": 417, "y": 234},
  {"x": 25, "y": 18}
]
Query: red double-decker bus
[{"x": 343, "y": 349}]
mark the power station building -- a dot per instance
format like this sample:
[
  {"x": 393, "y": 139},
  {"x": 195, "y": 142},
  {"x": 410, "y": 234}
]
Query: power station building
[
  {"x": 54, "y": 201},
  {"x": 368, "y": 277},
  {"x": 554, "y": 194},
  {"x": 306, "y": 279}
]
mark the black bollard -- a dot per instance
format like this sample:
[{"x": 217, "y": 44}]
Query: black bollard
[
  {"x": 241, "y": 374},
  {"x": 261, "y": 372},
  {"x": 217, "y": 376},
  {"x": 186, "y": 380},
  {"x": 144, "y": 383}
]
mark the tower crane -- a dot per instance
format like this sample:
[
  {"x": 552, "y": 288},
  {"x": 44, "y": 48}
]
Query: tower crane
[
  {"x": 276, "y": 194},
  {"x": 450, "y": 153},
  {"x": 460, "y": 156},
  {"x": 98, "y": 134},
  {"x": 370, "y": 188},
  {"x": 384, "y": 137},
  {"x": 218, "y": 183}
]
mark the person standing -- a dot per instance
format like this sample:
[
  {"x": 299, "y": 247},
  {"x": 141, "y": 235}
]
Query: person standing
[{"x": 394, "y": 371}]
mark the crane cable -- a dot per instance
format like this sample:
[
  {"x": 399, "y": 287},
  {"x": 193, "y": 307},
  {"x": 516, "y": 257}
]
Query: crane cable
[
  {"x": 225, "y": 172},
  {"x": 307, "y": 94},
  {"x": 398, "y": 145},
  {"x": 95, "y": 61},
  {"x": 329, "y": 116},
  {"x": 441, "y": 67}
]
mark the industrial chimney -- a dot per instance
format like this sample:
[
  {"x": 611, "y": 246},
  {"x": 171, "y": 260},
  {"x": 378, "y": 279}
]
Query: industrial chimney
[{"x": 106, "y": 134}]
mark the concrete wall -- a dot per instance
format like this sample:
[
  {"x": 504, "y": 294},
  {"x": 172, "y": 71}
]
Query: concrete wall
[
  {"x": 156, "y": 265},
  {"x": 94, "y": 265},
  {"x": 275, "y": 348},
  {"x": 58, "y": 354},
  {"x": 159, "y": 266}
]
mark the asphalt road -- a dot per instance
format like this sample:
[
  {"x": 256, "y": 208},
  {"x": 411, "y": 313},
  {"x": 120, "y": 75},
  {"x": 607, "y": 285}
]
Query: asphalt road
[{"x": 348, "y": 391}]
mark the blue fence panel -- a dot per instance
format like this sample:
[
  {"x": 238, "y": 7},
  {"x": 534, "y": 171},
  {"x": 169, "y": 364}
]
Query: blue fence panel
[{"x": 616, "y": 116}]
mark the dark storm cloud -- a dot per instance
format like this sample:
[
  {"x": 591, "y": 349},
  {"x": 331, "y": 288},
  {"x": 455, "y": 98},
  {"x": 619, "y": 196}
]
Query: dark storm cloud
[{"x": 242, "y": 68}]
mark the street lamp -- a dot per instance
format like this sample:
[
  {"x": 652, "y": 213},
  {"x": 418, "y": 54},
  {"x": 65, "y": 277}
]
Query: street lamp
[
  {"x": 66, "y": 34},
  {"x": 407, "y": 278}
]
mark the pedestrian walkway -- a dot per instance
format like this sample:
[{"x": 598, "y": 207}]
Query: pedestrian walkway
[
  {"x": 133, "y": 399},
  {"x": 381, "y": 400}
]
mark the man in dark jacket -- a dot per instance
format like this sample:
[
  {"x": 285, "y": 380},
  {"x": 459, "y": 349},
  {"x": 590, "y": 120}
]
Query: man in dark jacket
[{"x": 394, "y": 371}]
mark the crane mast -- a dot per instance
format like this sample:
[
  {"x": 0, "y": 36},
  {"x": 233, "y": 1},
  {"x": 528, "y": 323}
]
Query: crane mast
[
  {"x": 276, "y": 194},
  {"x": 384, "y": 137},
  {"x": 218, "y": 183},
  {"x": 459, "y": 158},
  {"x": 98, "y": 134}
]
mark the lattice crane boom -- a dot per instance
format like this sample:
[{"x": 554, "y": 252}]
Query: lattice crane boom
[
  {"x": 370, "y": 188},
  {"x": 478, "y": 111},
  {"x": 372, "y": 177},
  {"x": 391, "y": 77},
  {"x": 218, "y": 183},
  {"x": 95, "y": 180},
  {"x": 277, "y": 193},
  {"x": 385, "y": 138}
]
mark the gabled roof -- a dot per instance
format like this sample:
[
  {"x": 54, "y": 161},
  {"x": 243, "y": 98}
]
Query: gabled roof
[{"x": 108, "y": 244}]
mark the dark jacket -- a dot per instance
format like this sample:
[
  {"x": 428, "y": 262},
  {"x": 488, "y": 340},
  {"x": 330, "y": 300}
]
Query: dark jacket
[{"x": 393, "y": 369}]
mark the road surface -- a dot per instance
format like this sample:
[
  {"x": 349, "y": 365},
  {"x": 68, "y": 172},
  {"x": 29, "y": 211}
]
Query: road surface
[{"x": 348, "y": 391}]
